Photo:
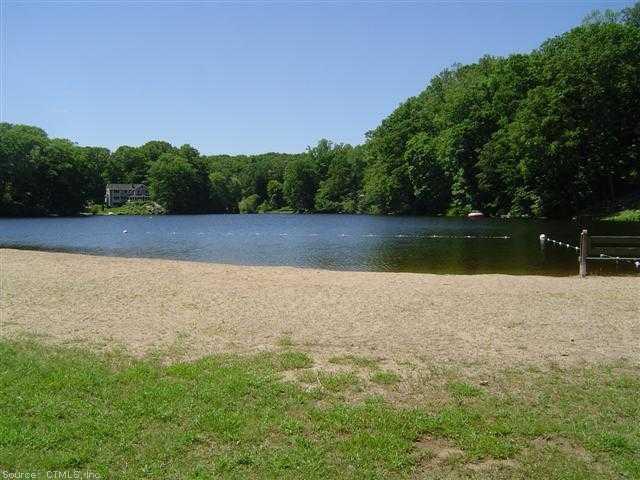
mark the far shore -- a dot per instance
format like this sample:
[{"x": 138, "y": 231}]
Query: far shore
[
  {"x": 630, "y": 216},
  {"x": 146, "y": 304}
]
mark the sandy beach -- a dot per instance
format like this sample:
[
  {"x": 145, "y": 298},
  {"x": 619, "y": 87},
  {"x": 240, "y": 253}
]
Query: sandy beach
[{"x": 147, "y": 304}]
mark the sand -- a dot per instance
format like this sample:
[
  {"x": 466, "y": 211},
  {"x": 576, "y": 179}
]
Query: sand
[{"x": 149, "y": 304}]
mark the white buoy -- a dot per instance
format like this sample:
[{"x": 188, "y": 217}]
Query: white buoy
[{"x": 124, "y": 231}]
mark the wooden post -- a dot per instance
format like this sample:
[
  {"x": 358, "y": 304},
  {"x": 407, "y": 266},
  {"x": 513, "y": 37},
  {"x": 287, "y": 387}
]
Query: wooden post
[{"x": 584, "y": 251}]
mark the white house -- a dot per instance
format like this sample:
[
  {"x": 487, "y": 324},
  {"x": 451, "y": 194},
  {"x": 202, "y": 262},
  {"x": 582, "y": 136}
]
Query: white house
[{"x": 119, "y": 193}]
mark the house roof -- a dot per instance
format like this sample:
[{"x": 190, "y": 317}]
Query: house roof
[{"x": 124, "y": 186}]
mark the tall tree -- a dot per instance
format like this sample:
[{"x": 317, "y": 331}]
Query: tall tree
[
  {"x": 178, "y": 185},
  {"x": 300, "y": 184}
]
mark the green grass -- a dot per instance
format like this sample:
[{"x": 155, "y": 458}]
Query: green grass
[
  {"x": 338, "y": 382},
  {"x": 293, "y": 360},
  {"x": 235, "y": 417},
  {"x": 461, "y": 390},
  {"x": 129, "y": 208},
  {"x": 631, "y": 215},
  {"x": 385, "y": 378}
]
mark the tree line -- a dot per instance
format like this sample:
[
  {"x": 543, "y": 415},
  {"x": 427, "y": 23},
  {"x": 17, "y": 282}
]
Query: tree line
[{"x": 550, "y": 133}]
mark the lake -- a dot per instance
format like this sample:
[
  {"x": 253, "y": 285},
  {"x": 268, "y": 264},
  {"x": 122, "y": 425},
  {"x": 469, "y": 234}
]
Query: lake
[{"x": 337, "y": 242}]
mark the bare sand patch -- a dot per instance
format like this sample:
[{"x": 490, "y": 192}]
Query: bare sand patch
[
  {"x": 145, "y": 304},
  {"x": 439, "y": 450}
]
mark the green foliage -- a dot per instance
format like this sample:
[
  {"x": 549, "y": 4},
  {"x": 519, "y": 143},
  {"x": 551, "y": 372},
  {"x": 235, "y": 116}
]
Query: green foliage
[
  {"x": 382, "y": 190},
  {"x": 339, "y": 191},
  {"x": 41, "y": 176},
  {"x": 628, "y": 16},
  {"x": 127, "y": 165},
  {"x": 275, "y": 195},
  {"x": 631, "y": 15},
  {"x": 545, "y": 134},
  {"x": 179, "y": 185},
  {"x": 244, "y": 176},
  {"x": 624, "y": 216},
  {"x": 249, "y": 204},
  {"x": 95, "y": 160},
  {"x": 432, "y": 182},
  {"x": 129, "y": 208},
  {"x": 300, "y": 184},
  {"x": 586, "y": 76},
  {"x": 224, "y": 193}
]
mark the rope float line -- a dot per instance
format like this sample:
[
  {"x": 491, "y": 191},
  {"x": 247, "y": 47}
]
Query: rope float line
[
  {"x": 367, "y": 235},
  {"x": 635, "y": 261},
  {"x": 544, "y": 239}
]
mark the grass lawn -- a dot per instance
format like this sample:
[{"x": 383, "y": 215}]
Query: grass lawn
[
  {"x": 275, "y": 415},
  {"x": 129, "y": 208},
  {"x": 632, "y": 215}
]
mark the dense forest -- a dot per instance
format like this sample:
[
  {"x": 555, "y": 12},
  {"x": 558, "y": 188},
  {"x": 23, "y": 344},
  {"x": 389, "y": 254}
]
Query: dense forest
[{"x": 549, "y": 133}]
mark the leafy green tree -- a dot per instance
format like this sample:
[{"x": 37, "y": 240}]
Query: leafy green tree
[
  {"x": 249, "y": 204},
  {"x": 385, "y": 183},
  {"x": 430, "y": 178},
  {"x": 275, "y": 195},
  {"x": 322, "y": 155},
  {"x": 300, "y": 184},
  {"x": 152, "y": 150},
  {"x": 127, "y": 165},
  {"x": 381, "y": 190},
  {"x": 225, "y": 193},
  {"x": 17, "y": 192},
  {"x": 551, "y": 133},
  {"x": 179, "y": 185},
  {"x": 188, "y": 152},
  {"x": 95, "y": 160},
  {"x": 340, "y": 190},
  {"x": 574, "y": 137},
  {"x": 598, "y": 17},
  {"x": 59, "y": 178},
  {"x": 631, "y": 15}
]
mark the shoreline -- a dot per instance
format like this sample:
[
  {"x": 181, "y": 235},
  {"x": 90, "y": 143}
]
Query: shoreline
[
  {"x": 605, "y": 217},
  {"x": 486, "y": 319},
  {"x": 28, "y": 248}
]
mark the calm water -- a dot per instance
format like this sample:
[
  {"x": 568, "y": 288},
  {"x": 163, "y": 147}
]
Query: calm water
[{"x": 339, "y": 242}]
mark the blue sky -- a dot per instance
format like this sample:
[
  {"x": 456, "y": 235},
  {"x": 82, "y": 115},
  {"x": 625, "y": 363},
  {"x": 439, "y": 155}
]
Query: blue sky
[{"x": 246, "y": 77}]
